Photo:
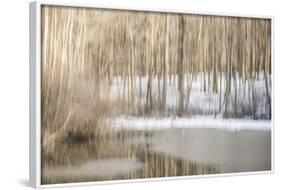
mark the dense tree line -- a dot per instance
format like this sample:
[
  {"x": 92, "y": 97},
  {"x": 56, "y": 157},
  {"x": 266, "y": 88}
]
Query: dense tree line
[{"x": 229, "y": 54}]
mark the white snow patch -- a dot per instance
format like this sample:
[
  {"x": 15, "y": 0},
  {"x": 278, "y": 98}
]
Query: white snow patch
[{"x": 141, "y": 123}]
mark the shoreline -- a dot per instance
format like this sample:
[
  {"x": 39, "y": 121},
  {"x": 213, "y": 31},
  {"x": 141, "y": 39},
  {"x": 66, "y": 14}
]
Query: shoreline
[{"x": 143, "y": 123}]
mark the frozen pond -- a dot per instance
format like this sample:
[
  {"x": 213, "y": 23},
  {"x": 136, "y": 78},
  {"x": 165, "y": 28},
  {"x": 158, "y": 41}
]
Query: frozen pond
[
  {"x": 157, "y": 153},
  {"x": 239, "y": 151},
  {"x": 105, "y": 167}
]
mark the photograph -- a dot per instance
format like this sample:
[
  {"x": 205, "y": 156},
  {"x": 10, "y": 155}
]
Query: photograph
[{"x": 134, "y": 94}]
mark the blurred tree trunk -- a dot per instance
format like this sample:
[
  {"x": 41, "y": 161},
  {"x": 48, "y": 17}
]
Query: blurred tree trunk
[
  {"x": 181, "y": 29},
  {"x": 166, "y": 65}
]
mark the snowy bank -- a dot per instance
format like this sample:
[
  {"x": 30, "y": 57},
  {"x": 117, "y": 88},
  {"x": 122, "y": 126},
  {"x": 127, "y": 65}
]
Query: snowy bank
[{"x": 141, "y": 123}]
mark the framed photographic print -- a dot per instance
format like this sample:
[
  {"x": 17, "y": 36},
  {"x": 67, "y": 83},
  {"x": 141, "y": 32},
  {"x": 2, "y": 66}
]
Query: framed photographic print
[{"x": 129, "y": 94}]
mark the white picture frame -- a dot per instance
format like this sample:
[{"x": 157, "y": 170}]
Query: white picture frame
[{"x": 35, "y": 92}]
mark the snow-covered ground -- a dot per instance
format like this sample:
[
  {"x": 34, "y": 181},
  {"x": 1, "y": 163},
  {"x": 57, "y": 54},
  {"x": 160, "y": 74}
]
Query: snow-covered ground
[
  {"x": 200, "y": 101},
  {"x": 203, "y": 108},
  {"x": 141, "y": 123}
]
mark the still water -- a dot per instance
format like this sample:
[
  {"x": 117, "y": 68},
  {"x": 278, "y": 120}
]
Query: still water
[{"x": 167, "y": 152}]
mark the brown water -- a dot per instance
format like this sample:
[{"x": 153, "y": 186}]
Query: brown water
[{"x": 167, "y": 152}]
